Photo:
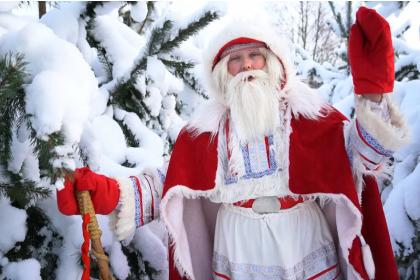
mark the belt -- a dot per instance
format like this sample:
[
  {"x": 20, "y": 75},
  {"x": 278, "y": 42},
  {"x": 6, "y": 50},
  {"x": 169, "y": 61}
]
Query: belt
[{"x": 285, "y": 202}]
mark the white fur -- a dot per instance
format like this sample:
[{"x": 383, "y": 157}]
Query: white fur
[
  {"x": 253, "y": 105},
  {"x": 391, "y": 135},
  {"x": 125, "y": 213},
  {"x": 367, "y": 258}
]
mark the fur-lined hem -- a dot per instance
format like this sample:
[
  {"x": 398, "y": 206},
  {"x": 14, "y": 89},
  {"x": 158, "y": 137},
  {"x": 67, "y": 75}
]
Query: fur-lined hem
[
  {"x": 347, "y": 237},
  {"x": 125, "y": 213},
  {"x": 391, "y": 135}
]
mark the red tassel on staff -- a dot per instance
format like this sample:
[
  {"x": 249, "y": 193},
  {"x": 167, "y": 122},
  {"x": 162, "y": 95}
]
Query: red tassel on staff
[{"x": 86, "y": 247}]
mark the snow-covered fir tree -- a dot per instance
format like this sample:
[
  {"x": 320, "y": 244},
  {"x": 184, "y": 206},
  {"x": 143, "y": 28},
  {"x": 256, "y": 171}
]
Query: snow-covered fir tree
[{"x": 93, "y": 83}]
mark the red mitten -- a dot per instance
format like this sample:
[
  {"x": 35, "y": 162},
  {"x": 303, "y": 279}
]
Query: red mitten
[
  {"x": 66, "y": 199},
  {"x": 371, "y": 55},
  {"x": 104, "y": 192}
]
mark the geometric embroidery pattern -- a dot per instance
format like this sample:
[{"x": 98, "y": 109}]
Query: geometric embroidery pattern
[
  {"x": 254, "y": 156},
  {"x": 372, "y": 141},
  {"x": 321, "y": 262}
]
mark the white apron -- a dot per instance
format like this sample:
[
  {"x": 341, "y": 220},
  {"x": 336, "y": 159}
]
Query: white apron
[{"x": 291, "y": 244}]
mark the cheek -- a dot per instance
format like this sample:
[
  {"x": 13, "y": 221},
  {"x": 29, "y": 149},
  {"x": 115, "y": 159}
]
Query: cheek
[
  {"x": 259, "y": 63},
  {"x": 234, "y": 67}
]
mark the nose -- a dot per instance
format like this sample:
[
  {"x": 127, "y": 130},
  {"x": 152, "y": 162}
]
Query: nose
[{"x": 246, "y": 64}]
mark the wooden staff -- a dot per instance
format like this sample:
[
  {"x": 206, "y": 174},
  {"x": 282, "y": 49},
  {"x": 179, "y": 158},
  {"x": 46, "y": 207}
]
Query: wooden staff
[{"x": 86, "y": 207}]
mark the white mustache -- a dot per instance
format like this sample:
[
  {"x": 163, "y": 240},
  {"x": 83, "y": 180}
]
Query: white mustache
[{"x": 246, "y": 75}]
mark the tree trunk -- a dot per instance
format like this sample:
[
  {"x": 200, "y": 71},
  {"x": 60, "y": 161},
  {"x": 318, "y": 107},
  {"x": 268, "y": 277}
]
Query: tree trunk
[{"x": 42, "y": 8}]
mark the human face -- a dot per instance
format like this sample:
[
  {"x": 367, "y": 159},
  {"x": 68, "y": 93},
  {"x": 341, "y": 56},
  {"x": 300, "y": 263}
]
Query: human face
[{"x": 245, "y": 60}]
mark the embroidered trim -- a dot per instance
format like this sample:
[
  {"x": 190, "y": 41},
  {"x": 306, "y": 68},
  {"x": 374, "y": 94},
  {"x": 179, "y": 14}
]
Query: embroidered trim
[
  {"x": 330, "y": 273},
  {"x": 260, "y": 150},
  {"x": 316, "y": 262},
  {"x": 372, "y": 142},
  {"x": 220, "y": 275},
  {"x": 152, "y": 197},
  {"x": 162, "y": 176},
  {"x": 137, "y": 201},
  {"x": 249, "y": 173}
]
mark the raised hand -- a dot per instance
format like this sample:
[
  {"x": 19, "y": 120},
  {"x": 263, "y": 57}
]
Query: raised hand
[{"x": 371, "y": 54}]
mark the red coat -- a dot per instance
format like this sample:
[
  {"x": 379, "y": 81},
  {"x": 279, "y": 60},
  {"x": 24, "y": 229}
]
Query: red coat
[{"x": 317, "y": 148}]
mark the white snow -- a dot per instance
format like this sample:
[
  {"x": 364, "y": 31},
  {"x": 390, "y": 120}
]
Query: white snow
[
  {"x": 139, "y": 11},
  {"x": 110, "y": 138},
  {"x": 63, "y": 83},
  {"x": 123, "y": 47},
  {"x": 13, "y": 227},
  {"x": 118, "y": 261},
  {"x": 64, "y": 21},
  {"x": 6, "y": 6},
  {"x": 28, "y": 269}
]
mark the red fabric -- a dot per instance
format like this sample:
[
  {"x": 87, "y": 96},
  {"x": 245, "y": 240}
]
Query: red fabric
[
  {"x": 371, "y": 54},
  {"x": 318, "y": 164},
  {"x": 356, "y": 258},
  {"x": 141, "y": 199},
  {"x": 173, "y": 272},
  {"x": 373, "y": 228},
  {"x": 286, "y": 202},
  {"x": 320, "y": 151},
  {"x": 195, "y": 159},
  {"x": 241, "y": 40},
  {"x": 104, "y": 192}
]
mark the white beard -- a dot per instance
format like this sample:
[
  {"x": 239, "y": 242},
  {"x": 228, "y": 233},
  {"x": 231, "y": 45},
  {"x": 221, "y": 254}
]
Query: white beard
[{"x": 253, "y": 104}]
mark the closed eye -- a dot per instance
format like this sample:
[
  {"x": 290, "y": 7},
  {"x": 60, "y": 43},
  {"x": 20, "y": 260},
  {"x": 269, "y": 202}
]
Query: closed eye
[{"x": 234, "y": 58}]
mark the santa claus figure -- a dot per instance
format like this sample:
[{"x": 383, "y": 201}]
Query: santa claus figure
[{"x": 268, "y": 181}]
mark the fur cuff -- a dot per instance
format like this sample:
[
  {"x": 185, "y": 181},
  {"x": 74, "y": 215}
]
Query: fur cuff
[
  {"x": 124, "y": 215},
  {"x": 392, "y": 134}
]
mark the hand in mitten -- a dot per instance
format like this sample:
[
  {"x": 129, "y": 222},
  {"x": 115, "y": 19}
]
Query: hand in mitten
[
  {"x": 104, "y": 192},
  {"x": 371, "y": 55}
]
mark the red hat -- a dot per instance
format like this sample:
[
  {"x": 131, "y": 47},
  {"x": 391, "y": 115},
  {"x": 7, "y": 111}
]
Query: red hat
[{"x": 240, "y": 43}]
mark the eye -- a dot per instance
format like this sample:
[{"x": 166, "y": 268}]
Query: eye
[
  {"x": 255, "y": 54},
  {"x": 234, "y": 58}
]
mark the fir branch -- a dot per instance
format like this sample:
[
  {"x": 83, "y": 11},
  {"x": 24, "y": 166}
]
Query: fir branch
[
  {"x": 190, "y": 30},
  {"x": 158, "y": 36},
  {"x": 148, "y": 18},
  {"x": 89, "y": 11},
  {"x": 46, "y": 154},
  {"x": 180, "y": 70},
  {"x": 12, "y": 73},
  {"x": 13, "y": 116},
  {"x": 409, "y": 71},
  {"x": 152, "y": 48},
  {"x": 41, "y": 243},
  {"x": 129, "y": 136},
  {"x": 89, "y": 14},
  {"x": 157, "y": 44},
  {"x": 21, "y": 192},
  {"x": 178, "y": 66},
  {"x": 338, "y": 19}
]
